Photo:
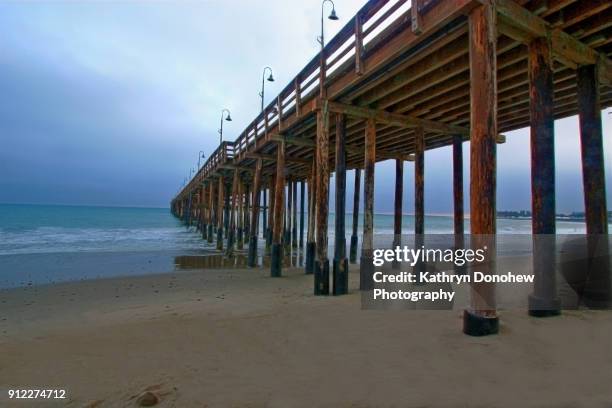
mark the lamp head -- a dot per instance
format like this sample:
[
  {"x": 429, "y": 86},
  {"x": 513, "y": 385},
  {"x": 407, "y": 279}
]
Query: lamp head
[
  {"x": 229, "y": 117},
  {"x": 333, "y": 15},
  {"x": 271, "y": 78}
]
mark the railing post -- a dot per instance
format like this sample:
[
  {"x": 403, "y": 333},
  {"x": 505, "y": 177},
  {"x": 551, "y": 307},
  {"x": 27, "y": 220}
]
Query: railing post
[{"x": 298, "y": 96}]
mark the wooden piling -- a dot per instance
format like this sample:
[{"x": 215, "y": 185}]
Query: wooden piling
[
  {"x": 288, "y": 217},
  {"x": 593, "y": 171},
  {"x": 294, "y": 238},
  {"x": 220, "y": 214},
  {"x": 211, "y": 211},
  {"x": 458, "y": 213},
  {"x": 302, "y": 193},
  {"x": 277, "y": 248},
  {"x": 204, "y": 212},
  {"x": 264, "y": 229},
  {"x": 598, "y": 288},
  {"x": 311, "y": 239},
  {"x": 419, "y": 181},
  {"x": 226, "y": 210},
  {"x": 366, "y": 269},
  {"x": 398, "y": 206},
  {"x": 231, "y": 239},
  {"x": 458, "y": 216},
  {"x": 543, "y": 301},
  {"x": 481, "y": 318},
  {"x": 252, "y": 256},
  {"x": 240, "y": 217},
  {"x": 354, "y": 238},
  {"x": 271, "y": 215},
  {"x": 340, "y": 268},
  {"x": 321, "y": 279}
]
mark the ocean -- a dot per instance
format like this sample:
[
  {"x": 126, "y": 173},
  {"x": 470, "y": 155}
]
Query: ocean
[{"x": 46, "y": 244}]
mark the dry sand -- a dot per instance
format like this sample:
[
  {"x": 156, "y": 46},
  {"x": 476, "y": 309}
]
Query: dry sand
[{"x": 236, "y": 338}]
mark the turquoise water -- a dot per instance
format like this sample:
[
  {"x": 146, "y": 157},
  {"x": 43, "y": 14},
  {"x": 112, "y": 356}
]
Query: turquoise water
[{"x": 39, "y": 229}]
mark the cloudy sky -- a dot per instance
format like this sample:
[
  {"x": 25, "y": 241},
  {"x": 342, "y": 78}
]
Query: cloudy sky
[{"x": 109, "y": 102}]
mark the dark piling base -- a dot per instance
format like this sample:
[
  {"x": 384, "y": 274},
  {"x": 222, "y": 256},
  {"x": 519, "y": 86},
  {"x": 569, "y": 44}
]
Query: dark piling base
[
  {"x": 210, "y": 234},
  {"x": 204, "y": 231},
  {"x": 310, "y": 258},
  {"x": 353, "y": 249},
  {"x": 321, "y": 278},
  {"x": 366, "y": 273},
  {"x": 252, "y": 257},
  {"x": 240, "y": 239},
  {"x": 544, "y": 307},
  {"x": 220, "y": 239},
  {"x": 276, "y": 260},
  {"x": 340, "y": 277},
  {"x": 294, "y": 240},
  {"x": 474, "y": 325}
]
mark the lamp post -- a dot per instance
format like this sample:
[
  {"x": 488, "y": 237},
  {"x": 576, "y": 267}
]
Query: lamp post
[
  {"x": 332, "y": 16},
  {"x": 200, "y": 156},
  {"x": 227, "y": 118},
  {"x": 263, "y": 83}
]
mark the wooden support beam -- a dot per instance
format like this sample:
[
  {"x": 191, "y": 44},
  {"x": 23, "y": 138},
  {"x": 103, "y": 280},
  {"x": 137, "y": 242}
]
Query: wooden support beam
[
  {"x": 321, "y": 281},
  {"x": 294, "y": 241},
  {"x": 458, "y": 217},
  {"x": 354, "y": 238},
  {"x": 543, "y": 301},
  {"x": 246, "y": 222},
  {"x": 398, "y": 205},
  {"x": 302, "y": 203},
  {"x": 231, "y": 237},
  {"x": 271, "y": 157},
  {"x": 292, "y": 140},
  {"x": 481, "y": 318},
  {"x": 211, "y": 211},
  {"x": 419, "y": 182},
  {"x": 310, "y": 237},
  {"x": 288, "y": 217},
  {"x": 542, "y": 137},
  {"x": 380, "y": 154},
  {"x": 366, "y": 268},
  {"x": 279, "y": 204},
  {"x": 221, "y": 191},
  {"x": 240, "y": 216},
  {"x": 271, "y": 214},
  {"x": 395, "y": 119},
  {"x": 340, "y": 268},
  {"x": 593, "y": 171},
  {"x": 252, "y": 255},
  {"x": 522, "y": 25}
]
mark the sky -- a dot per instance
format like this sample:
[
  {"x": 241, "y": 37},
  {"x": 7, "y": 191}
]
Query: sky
[{"x": 110, "y": 102}]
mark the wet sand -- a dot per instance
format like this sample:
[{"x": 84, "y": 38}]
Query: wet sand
[{"x": 238, "y": 338}]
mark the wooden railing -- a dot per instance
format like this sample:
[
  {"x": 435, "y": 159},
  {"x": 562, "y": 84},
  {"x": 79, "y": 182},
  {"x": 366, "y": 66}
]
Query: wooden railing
[{"x": 372, "y": 24}]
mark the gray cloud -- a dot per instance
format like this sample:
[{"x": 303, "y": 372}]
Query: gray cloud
[{"x": 109, "y": 102}]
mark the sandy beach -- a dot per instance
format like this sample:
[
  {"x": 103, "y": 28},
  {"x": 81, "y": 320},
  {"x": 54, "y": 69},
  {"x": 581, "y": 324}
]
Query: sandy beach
[{"x": 241, "y": 339}]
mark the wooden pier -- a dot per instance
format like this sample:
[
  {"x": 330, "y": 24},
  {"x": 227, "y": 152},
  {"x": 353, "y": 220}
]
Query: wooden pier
[{"x": 395, "y": 82}]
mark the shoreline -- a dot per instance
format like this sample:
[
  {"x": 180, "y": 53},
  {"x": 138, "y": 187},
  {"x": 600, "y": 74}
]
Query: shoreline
[{"x": 237, "y": 337}]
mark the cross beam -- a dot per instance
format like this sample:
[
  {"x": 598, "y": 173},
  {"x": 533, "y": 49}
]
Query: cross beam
[
  {"x": 396, "y": 119},
  {"x": 522, "y": 25}
]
